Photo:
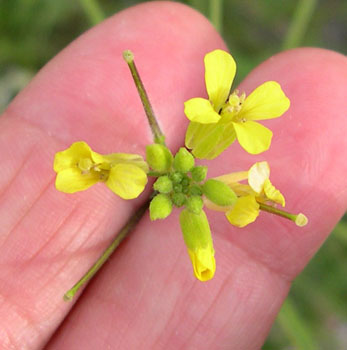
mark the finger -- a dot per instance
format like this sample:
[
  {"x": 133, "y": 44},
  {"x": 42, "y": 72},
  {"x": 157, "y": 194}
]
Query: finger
[
  {"x": 146, "y": 297},
  {"x": 49, "y": 239}
]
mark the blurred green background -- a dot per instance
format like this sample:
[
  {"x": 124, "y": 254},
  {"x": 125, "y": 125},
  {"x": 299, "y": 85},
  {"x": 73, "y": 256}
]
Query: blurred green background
[{"x": 314, "y": 315}]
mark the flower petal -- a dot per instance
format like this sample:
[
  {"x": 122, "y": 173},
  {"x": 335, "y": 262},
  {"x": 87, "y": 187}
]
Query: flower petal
[
  {"x": 253, "y": 137},
  {"x": 257, "y": 175},
  {"x": 201, "y": 111},
  {"x": 267, "y": 101},
  {"x": 71, "y": 156},
  {"x": 127, "y": 180},
  {"x": 220, "y": 70},
  {"x": 72, "y": 180},
  {"x": 109, "y": 160},
  {"x": 208, "y": 141},
  {"x": 245, "y": 211},
  {"x": 203, "y": 262},
  {"x": 231, "y": 178},
  {"x": 273, "y": 193}
]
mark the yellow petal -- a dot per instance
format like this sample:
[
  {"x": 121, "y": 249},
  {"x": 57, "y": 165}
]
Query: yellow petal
[
  {"x": 127, "y": 158},
  {"x": 127, "y": 180},
  {"x": 267, "y": 101},
  {"x": 72, "y": 180},
  {"x": 257, "y": 175},
  {"x": 204, "y": 264},
  {"x": 273, "y": 194},
  {"x": 233, "y": 177},
  {"x": 71, "y": 156},
  {"x": 253, "y": 137},
  {"x": 209, "y": 140},
  {"x": 109, "y": 160},
  {"x": 245, "y": 211},
  {"x": 201, "y": 111},
  {"x": 220, "y": 70}
]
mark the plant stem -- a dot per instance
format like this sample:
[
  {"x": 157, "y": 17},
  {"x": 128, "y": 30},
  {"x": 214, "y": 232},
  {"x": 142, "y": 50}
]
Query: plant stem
[
  {"x": 153, "y": 123},
  {"x": 299, "y": 219},
  {"x": 216, "y": 15},
  {"x": 299, "y": 24},
  {"x": 93, "y": 11},
  {"x": 134, "y": 219}
]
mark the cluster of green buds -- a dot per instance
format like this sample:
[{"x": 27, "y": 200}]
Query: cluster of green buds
[{"x": 182, "y": 184}]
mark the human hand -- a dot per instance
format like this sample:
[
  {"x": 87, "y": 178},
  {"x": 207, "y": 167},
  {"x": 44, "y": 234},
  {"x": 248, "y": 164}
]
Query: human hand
[{"x": 146, "y": 296}]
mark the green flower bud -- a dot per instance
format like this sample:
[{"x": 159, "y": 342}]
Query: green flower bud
[
  {"x": 176, "y": 177},
  {"x": 199, "y": 173},
  {"x": 177, "y": 188},
  {"x": 219, "y": 193},
  {"x": 196, "y": 229},
  {"x": 183, "y": 160},
  {"x": 158, "y": 157},
  {"x": 160, "y": 207},
  {"x": 195, "y": 190},
  {"x": 185, "y": 182},
  {"x": 197, "y": 237},
  {"x": 194, "y": 204},
  {"x": 163, "y": 184},
  {"x": 178, "y": 199}
]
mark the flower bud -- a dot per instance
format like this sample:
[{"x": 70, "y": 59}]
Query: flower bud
[
  {"x": 158, "y": 157},
  {"x": 199, "y": 173},
  {"x": 195, "y": 190},
  {"x": 219, "y": 193},
  {"x": 194, "y": 204},
  {"x": 160, "y": 207},
  {"x": 163, "y": 184},
  {"x": 197, "y": 237},
  {"x": 183, "y": 161},
  {"x": 178, "y": 199},
  {"x": 178, "y": 188},
  {"x": 176, "y": 177}
]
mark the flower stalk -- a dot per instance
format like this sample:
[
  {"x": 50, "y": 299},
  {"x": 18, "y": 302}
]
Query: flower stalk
[
  {"x": 134, "y": 219},
  {"x": 159, "y": 137}
]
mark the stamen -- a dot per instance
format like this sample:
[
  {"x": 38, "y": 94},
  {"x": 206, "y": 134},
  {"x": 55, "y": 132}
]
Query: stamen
[{"x": 85, "y": 164}]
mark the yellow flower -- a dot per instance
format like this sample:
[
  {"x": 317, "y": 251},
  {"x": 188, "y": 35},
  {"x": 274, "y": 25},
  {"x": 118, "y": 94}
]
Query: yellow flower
[
  {"x": 78, "y": 168},
  {"x": 197, "y": 237},
  {"x": 218, "y": 121},
  {"x": 259, "y": 190}
]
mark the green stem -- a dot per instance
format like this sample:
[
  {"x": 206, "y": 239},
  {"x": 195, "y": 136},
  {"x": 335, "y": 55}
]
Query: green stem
[
  {"x": 299, "y": 24},
  {"x": 93, "y": 11},
  {"x": 157, "y": 133},
  {"x": 216, "y": 14},
  {"x": 134, "y": 219},
  {"x": 299, "y": 219}
]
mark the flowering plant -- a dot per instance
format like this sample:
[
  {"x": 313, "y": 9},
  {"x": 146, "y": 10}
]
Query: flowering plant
[{"x": 215, "y": 123}]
